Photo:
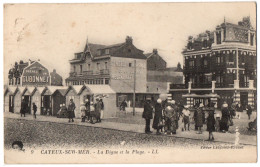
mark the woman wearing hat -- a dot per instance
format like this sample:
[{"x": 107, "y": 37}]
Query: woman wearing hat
[
  {"x": 71, "y": 109},
  {"x": 200, "y": 118},
  {"x": 225, "y": 118},
  {"x": 157, "y": 120}
]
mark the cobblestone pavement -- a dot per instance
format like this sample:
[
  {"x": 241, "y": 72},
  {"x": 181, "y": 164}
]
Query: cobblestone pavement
[{"x": 139, "y": 128}]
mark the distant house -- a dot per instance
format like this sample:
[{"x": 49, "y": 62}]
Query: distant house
[{"x": 158, "y": 75}]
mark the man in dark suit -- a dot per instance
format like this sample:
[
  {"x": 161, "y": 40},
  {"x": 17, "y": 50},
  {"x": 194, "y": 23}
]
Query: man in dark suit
[{"x": 148, "y": 115}]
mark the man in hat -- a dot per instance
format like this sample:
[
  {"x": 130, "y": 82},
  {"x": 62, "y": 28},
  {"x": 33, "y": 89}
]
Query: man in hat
[
  {"x": 148, "y": 115},
  {"x": 87, "y": 105},
  {"x": 97, "y": 106},
  {"x": 186, "y": 117},
  {"x": 200, "y": 118},
  {"x": 71, "y": 109}
]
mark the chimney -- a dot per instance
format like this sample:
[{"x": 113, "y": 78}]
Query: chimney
[
  {"x": 155, "y": 51},
  {"x": 129, "y": 40}
]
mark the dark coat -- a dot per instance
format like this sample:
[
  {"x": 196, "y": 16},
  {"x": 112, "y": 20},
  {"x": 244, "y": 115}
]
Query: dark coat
[
  {"x": 123, "y": 105},
  {"x": 23, "y": 108},
  {"x": 224, "y": 119},
  {"x": 211, "y": 123},
  {"x": 157, "y": 115},
  {"x": 200, "y": 117},
  {"x": 249, "y": 110},
  {"x": 34, "y": 108},
  {"x": 148, "y": 111},
  {"x": 71, "y": 109}
]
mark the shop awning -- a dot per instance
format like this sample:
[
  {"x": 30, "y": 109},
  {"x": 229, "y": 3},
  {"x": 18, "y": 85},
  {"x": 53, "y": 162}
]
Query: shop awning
[
  {"x": 211, "y": 95},
  {"x": 100, "y": 89},
  {"x": 11, "y": 89},
  {"x": 53, "y": 89}
]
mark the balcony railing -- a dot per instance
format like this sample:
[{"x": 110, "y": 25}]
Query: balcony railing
[
  {"x": 244, "y": 84},
  {"x": 104, "y": 71},
  {"x": 73, "y": 74},
  {"x": 178, "y": 86},
  {"x": 201, "y": 85},
  {"x": 87, "y": 73}
]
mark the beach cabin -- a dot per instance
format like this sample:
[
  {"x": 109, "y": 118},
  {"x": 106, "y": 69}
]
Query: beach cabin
[
  {"x": 52, "y": 97},
  {"x": 27, "y": 96},
  {"x": 36, "y": 98},
  {"x": 108, "y": 95},
  {"x": 18, "y": 98},
  {"x": 9, "y": 98},
  {"x": 78, "y": 93}
]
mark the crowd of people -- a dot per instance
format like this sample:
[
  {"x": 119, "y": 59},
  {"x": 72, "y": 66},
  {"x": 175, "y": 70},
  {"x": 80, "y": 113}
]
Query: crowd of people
[
  {"x": 167, "y": 115},
  {"x": 90, "y": 112}
]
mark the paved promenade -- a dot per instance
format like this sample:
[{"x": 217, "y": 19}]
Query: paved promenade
[{"x": 139, "y": 128}]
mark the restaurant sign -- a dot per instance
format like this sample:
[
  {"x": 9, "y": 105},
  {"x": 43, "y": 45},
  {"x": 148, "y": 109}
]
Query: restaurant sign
[{"x": 36, "y": 75}]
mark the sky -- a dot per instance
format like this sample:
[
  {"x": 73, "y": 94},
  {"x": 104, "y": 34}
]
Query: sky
[{"x": 52, "y": 33}]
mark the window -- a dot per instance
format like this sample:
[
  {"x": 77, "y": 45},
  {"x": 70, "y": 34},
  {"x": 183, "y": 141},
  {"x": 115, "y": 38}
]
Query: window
[
  {"x": 251, "y": 39},
  {"x": 129, "y": 50},
  {"x": 130, "y": 64},
  {"x": 74, "y": 68},
  {"x": 218, "y": 34},
  {"x": 219, "y": 59},
  {"x": 191, "y": 63},
  {"x": 105, "y": 65},
  {"x": 99, "y": 52},
  {"x": 230, "y": 58},
  {"x": 88, "y": 67},
  {"x": 204, "y": 43},
  {"x": 219, "y": 79},
  {"x": 205, "y": 62},
  {"x": 106, "y": 81},
  {"x": 98, "y": 64},
  {"x": 81, "y": 69},
  {"x": 107, "y": 51}
]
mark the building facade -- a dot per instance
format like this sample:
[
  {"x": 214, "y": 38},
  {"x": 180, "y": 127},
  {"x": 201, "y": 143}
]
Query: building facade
[
  {"x": 222, "y": 63},
  {"x": 158, "y": 75},
  {"x": 32, "y": 74},
  {"x": 121, "y": 66}
]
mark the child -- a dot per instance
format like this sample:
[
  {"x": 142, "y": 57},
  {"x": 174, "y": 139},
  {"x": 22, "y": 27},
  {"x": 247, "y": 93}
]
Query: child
[
  {"x": 92, "y": 112},
  {"x": 83, "y": 112},
  {"x": 59, "y": 112},
  {"x": 186, "y": 117},
  {"x": 34, "y": 110},
  {"x": 210, "y": 125},
  {"x": 217, "y": 123}
]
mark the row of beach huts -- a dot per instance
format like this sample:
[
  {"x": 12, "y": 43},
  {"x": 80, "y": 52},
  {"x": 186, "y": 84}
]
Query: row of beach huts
[{"x": 49, "y": 98}]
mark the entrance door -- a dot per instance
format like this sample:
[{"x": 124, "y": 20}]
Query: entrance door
[
  {"x": 244, "y": 99},
  {"x": 27, "y": 101},
  {"x": 11, "y": 103},
  {"x": 47, "y": 105}
]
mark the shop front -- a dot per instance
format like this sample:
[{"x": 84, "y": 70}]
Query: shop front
[
  {"x": 18, "y": 98},
  {"x": 9, "y": 99}
]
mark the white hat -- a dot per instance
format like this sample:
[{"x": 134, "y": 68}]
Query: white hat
[
  {"x": 201, "y": 105},
  {"x": 86, "y": 100},
  {"x": 91, "y": 102},
  {"x": 60, "y": 105},
  {"x": 186, "y": 106},
  {"x": 225, "y": 105},
  {"x": 63, "y": 104},
  {"x": 173, "y": 102},
  {"x": 217, "y": 116},
  {"x": 159, "y": 101}
]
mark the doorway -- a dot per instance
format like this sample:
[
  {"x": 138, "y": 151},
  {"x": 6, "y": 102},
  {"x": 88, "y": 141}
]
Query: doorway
[
  {"x": 11, "y": 103},
  {"x": 47, "y": 105},
  {"x": 27, "y": 101},
  {"x": 244, "y": 99}
]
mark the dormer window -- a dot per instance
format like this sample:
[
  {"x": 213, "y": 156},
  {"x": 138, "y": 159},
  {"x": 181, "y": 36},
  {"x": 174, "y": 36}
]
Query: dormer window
[
  {"x": 218, "y": 34},
  {"x": 107, "y": 51},
  {"x": 99, "y": 52},
  {"x": 252, "y": 39},
  {"x": 205, "y": 43}
]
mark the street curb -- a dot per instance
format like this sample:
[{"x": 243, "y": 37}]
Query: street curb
[{"x": 215, "y": 141}]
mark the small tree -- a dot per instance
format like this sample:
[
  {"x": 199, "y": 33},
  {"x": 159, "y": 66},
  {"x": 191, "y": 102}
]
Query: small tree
[{"x": 179, "y": 67}]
